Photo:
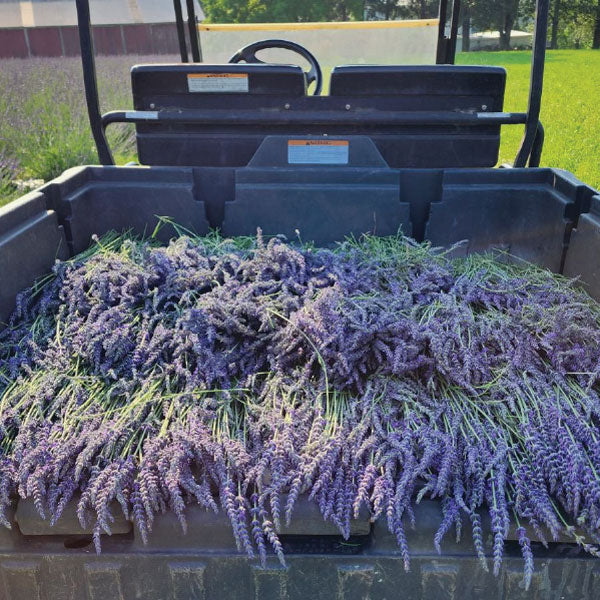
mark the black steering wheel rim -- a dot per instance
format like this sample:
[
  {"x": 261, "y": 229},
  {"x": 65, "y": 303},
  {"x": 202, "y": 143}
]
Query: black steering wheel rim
[{"x": 248, "y": 54}]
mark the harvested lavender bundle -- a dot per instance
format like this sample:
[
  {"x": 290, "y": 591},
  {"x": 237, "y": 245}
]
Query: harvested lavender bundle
[{"x": 240, "y": 375}]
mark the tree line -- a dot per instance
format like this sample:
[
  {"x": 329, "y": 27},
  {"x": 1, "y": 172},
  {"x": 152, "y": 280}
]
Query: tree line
[{"x": 573, "y": 23}]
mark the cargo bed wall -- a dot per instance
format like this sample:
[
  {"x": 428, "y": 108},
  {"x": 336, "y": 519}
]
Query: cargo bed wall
[
  {"x": 534, "y": 214},
  {"x": 95, "y": 200},
  {"x": 31, "y": 239},
  {"x": 519, "y": 212},
  {"x": 583, "y": 256},
  {"x": 204, "y": 564}
]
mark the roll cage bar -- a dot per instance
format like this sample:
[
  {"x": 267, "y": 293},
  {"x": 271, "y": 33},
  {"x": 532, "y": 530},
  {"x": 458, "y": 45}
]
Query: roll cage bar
[{"x": 529, "y": 152}]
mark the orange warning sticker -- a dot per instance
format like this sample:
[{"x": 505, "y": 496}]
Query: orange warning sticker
[
  {"x": 318, "y": 152},
  {"x": 217, "y": 82},
  {"x": 318, "y": 143}
]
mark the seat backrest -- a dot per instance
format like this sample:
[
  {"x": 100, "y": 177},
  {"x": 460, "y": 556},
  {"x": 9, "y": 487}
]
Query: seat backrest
[
  {"x": 424, "y": 88},
  {"x": 203, "y": 86},
  {"x": 267, "y": 99},
  {"x": 427, "y": 89}
]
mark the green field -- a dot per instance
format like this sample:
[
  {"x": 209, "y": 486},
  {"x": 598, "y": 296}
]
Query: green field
[
  {"x": 44, "y": 128},
  {"x": 570, "y": 107}
]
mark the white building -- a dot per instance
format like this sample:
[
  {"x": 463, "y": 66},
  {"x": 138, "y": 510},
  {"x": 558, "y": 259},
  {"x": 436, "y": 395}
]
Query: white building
[{"x": 43, "y": 13}]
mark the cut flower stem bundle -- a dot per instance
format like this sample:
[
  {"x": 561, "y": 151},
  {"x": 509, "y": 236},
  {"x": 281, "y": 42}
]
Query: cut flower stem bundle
[{"x": 243, "y": 374}]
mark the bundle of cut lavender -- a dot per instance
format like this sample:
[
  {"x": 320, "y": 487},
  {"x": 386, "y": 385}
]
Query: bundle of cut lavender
[{"x": 242, "y": 374}]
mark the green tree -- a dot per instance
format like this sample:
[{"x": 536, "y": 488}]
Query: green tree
[
  {"x": 234, "y": 11},
  {"x": 348, "y": 10},
  {"x": 465, "y": 21},
  {"x": 572, "y": 22},
  {"x": 581, "y": 18},
  {"x": 501, "y": 16},
  {"x": 596, "y": 39},
  {"x": 386, "y": 9},
  {"x": 556, "y": 15},
  {"x": 396, "y": 9},
  {"x": 565, "y": 15},
  {"x": 281, "y": 11}
]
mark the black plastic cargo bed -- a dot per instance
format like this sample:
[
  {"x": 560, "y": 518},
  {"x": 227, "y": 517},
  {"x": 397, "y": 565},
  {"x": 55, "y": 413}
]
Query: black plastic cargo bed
[
  {"x": 205, "y": 564},
  {"x": 545, "y": 216}
]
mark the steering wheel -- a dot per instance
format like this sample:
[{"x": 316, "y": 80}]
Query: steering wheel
[{"x": 248, "y": 54}]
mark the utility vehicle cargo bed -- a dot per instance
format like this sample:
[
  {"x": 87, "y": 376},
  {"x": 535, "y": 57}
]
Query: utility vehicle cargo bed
[
  {"x": 544, "y": 216},
  {"x": 204, "y": 564}
]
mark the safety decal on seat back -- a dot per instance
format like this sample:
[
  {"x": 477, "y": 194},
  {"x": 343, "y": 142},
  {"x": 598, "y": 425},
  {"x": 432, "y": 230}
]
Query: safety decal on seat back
[
  {"x": 217, "y": 82},
  {"x": 318, "y": 152}
]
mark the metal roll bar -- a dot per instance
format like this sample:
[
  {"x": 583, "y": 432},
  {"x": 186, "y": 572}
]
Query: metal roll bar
[
  {"x": 90, "y": 81},
  {"x": 536, "y": 84},
  {"x": 312, "y": 117},
  {"x": 446, "y": 46},
  {"x": 180, "y": 31}
]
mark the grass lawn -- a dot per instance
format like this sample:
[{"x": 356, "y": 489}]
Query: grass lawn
[
  {"x": 570, "y": 107},
  {"x": 44, "y": 128}
]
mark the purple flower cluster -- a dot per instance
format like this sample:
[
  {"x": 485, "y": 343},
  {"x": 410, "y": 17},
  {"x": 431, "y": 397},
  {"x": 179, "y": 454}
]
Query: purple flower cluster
[{"x": 241, "y": 376}]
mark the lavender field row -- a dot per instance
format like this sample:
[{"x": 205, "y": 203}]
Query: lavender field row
[{"x": 43, "y": 120}]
